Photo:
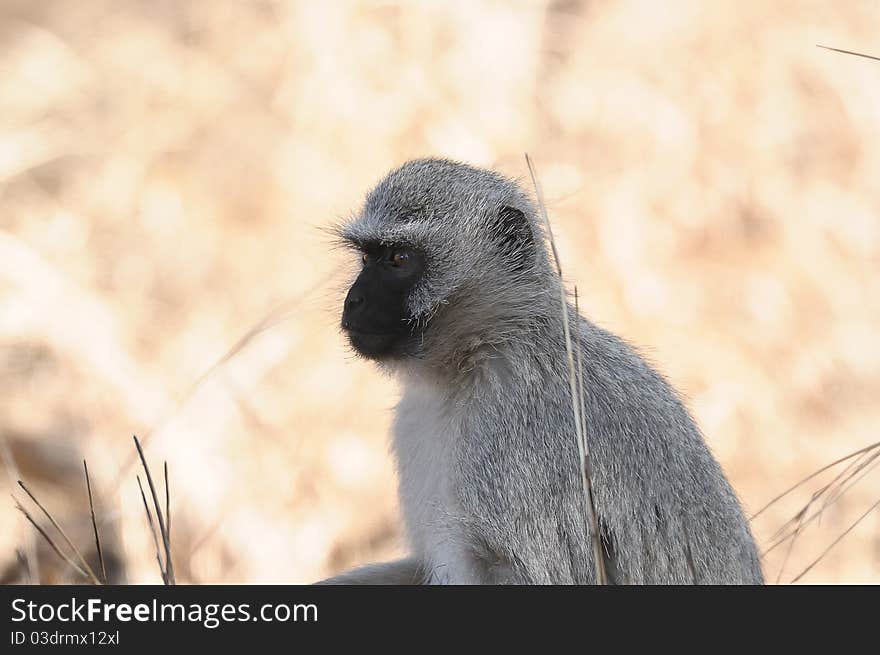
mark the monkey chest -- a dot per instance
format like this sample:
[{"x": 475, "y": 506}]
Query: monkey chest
[{"x": 424, "y": 442}]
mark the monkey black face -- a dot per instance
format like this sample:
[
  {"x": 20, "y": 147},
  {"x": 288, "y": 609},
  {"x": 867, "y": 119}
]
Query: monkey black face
[{"x": 375, "y": 316}]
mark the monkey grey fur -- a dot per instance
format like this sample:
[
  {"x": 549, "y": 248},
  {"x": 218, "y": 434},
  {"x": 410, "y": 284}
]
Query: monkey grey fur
[{"x": 484, "y": 437}]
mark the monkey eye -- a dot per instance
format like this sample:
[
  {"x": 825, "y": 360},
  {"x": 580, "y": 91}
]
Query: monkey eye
[
  {"x": 365, "y": 258},
  {"x": 399, "y": 258}
]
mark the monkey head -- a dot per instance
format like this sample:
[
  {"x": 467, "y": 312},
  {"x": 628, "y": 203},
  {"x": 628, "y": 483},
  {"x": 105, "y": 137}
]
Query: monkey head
[{"x": 452, "y": 259}]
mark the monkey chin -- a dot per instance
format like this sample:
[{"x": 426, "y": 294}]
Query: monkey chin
[{"x": 376, "y": 346}]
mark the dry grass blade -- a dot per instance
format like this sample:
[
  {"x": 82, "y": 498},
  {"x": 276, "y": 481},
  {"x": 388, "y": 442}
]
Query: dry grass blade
[
  {"x": 153, "y": 532},
  {"x": 812, "y": 475},
  {"x": 849, "y": 52},
  {"x": 828, "y": 494},
  {"x": 169, "y": 566},
  {"x": 834, "y": 543},
  {"x": 49, "y": 541},
  {"x": 270, "y": 320},
  {"x": 95, "y": 524},
  {"x": 816, "y": 495},
  {"x": 84, "y": 564},
  {"x": 797, "y": 532},
  {"x": 30, "y": 551},
  {"x": 577, "y": 398},
  {"x": 836, "y": 493},
  {"x": 167, "y": 502},
  {"x": 602, "y": 575}
]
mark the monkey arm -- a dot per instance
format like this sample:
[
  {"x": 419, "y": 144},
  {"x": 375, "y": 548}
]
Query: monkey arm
[
  {"x": 522, "y": 511},
  {"x": 406, "y": 571}
]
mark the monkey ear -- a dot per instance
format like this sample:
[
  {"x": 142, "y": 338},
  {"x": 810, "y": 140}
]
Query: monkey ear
[{"x": 514, "y": 236}]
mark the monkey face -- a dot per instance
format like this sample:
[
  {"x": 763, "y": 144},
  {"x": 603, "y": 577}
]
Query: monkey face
[{"x": 375, "y": 315}]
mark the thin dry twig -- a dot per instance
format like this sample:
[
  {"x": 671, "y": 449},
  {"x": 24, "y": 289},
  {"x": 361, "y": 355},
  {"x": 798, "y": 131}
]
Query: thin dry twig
[
  {"x": 167, "y": 502},
  {"x": 49, "y": 540},
  {"x": 577, "y": 397},
  {"x": 153, "y": 532},
  {"x": 85, "y": 565},
  {"x": 784, "y": 530},
  {"x": 797, "y": 532},
  {"x": 169, "y": 566},
  {"x": 588, "y": 474},
  {"x": 867, "y": 466},
  {"x": 834, "y": 543},
  {"x": 829, "y": 494},
  {"x": 270, "y": 320},
  {"x": 30, "y": 550},
  {"x": 812, "y": 475},
  {"x": 849, "y": 52},
  {"x": 95, "y": 524}
]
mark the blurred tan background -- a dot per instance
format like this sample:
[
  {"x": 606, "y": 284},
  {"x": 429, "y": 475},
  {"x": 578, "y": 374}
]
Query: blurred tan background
[{"x": 166, "y": 169}]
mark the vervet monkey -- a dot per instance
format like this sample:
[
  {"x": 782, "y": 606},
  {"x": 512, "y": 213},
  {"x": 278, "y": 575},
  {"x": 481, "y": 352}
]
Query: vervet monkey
[{"x": 457, "y": 298}]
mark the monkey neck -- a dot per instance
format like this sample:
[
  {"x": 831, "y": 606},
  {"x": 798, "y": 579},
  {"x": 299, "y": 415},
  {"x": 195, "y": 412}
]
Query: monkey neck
[{"x": 525, "y": 349}]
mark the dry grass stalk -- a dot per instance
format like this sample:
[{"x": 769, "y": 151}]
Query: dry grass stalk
[
  {"x": 270, "y": 320},
  {"x": 95, "y": 524},
  {"x": 30, "y": 550},
  {"x": 577, "y": 395},
  {"x": 602, "y": 575},
  {"x": 51, "y": 542},
  {"x": 153, "y": 533},
  {"x": 828, "y": 495},
  {"x": 167, "y": 501},
  {"x": 800, "y": 483},
  {"x": 834, "y": 543},
  {"x": 849, "y": 52},
  {"x": 859, "y": 464},
  {"x": 168, "y": 570},
  {"x": 88, "y": 572}
]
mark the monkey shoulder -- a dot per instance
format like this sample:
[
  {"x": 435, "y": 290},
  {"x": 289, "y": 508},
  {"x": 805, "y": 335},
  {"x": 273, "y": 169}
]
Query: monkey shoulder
[{"x": 518, "y": 442}]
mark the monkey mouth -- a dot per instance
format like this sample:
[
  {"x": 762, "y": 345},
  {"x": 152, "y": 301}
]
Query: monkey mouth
[
  {"x": 361, "y": 333},
  {"x": 374, "y": 345}
]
